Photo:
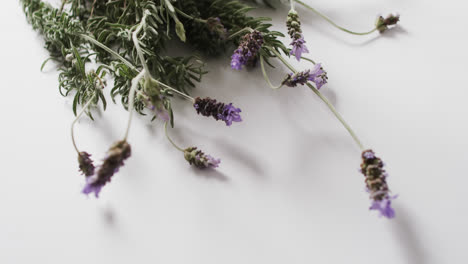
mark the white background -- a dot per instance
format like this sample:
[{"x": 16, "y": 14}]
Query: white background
[{"x": 288, "y": 190}]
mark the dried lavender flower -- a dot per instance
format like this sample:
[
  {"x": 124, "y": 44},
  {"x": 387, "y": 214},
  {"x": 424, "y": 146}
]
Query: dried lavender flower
[
  {"x": 247, "y": 51},
  {"x": 115, "y": 158},
  {"x": 372, "y": 168},
  {"x": 199, "y": 159},
  {"x": 294, "y": 30},
  {"x": 382, "y": 23},
  {"x": 316, "y": 75},
  {"x": 219, "y": 111},
  {"x": 86, "y": 164},
  {"x": 216, "y": 27}
]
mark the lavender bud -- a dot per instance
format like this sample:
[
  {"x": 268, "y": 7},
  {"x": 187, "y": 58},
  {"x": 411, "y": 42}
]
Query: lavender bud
[
  {"x": 219, "y": 111},
  {"x": 294, "y": 30},
  {"x": 317, "y": 75},
  {"x": 372, "y": 168},
  {"x": 382, "y": 23},
  {"x": 115, "y": 158},
  {"x": 247, "y": 51},
  {"x": 199, "y": 159},
  {"x": 86, "y": 164}
]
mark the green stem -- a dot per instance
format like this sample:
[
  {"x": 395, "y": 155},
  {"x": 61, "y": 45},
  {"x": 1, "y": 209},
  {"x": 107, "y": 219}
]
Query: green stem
[
  {"x": 138, "y": 48},
  {"x": 307, "y": 59},
  {"x": 324, "y": 99},
  {"x": 240, "y": 32},
  {"x": 265, "y": 75},
  {"x": 76, "y": 120},
  {"x": 189, "y": 16},
  {"x": 170, "y": 140},
  {"x": 333, "y": 23},
  {"x": 131, "y": 101},
  {"x": 188, "y": 97},
  {"x": 104, "y": 47}
]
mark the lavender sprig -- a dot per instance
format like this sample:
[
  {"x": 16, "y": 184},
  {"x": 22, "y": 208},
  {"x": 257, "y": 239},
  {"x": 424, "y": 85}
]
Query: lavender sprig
[
  {"x": 219, "y": 111},
  {"x": 115, "y": 158},
  {"x": 317, "y": 75},
  {"x": 86, "y": 164},
  {"x": 294, "y": 30},
  {"x": 199, "y": 159},
  {"x": 246, "y": 53},
  {"x": 382, "y": 23},
  {"x": 372, "y": 168}
]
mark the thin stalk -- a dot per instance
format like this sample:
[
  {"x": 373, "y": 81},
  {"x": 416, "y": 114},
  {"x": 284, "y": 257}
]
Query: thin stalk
[
  {"x": 170, "y": 140},
  {"x": 307, "y": 59},
  {"x": 104, "y": 47},
  {"x": 180, "y": 12},
  {"x": 131, "y": 101},
  {"x": 291, "y": 2},
  {"x": 76, "y": 120},
  {"x": 265, "y": 75},
  {"x": 188, "y": 97},
  {"x": 137, "y": 45},
  {"x": 324, "y": 99},
  {"x": 333, "y": 23},
  {"x": 240, "y": 32}
]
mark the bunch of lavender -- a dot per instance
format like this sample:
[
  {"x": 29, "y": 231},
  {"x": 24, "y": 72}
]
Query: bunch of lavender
[{"x": 127, "y": 40}]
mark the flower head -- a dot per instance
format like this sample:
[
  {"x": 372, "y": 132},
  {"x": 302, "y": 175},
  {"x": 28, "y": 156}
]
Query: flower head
[
  {"x": 199, "y": 159},
  {"x": 219, "y": 111},
  {"x": 294, "y": 30},
  {"x": 115, "y": 158},
  {"x": 382, "y": 23},
  {"x": 216, "y": 27},
  {"x": 316, "y": 75},
  {"x": 372, "y": 168},
  {"x": 86, "y": 164},
  {"x": 247, "y": 51}
]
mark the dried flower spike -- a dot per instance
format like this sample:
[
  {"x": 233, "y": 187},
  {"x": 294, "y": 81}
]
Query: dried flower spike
[
  {"x": 317, "y": 75},
  {"x": 115, "y": 158},
  {"x": 382, "y": 23},
  {"x": 247, "y": 51},
  {"x": 86, "y": 164},
  {"x": 294, "y": 30},
  {"x": 216, "y": 27},
  {"x": 199, "y": 159},
  {"x": 219, "y": 111},
  {"x": 372, "y": 168}
]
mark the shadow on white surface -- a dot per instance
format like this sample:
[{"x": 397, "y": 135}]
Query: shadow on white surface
[{"x": 410, "y": 243}]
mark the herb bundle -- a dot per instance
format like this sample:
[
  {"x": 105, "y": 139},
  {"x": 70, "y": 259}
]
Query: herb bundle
[{"x": 127, "y": 41}]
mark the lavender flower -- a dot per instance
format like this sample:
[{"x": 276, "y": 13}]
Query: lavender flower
[
  {"x": 247, "y": 51},
  {"x": 219, "y": 111},
  {"x": 199, "y": 159},
  {"x": 372, "y": 168},
  {"x": 115, "y": 158},
  {"x": 294, "y": 29},
  {"x": 86, "y": 164},
  {"x": 316, "y": 75},
  {"x": 382, "y": 23}
]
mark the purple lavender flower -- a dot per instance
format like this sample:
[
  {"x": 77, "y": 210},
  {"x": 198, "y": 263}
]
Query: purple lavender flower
[
  {"x": 219, "y": 111},
  {"x": 199, "y": 159},
  {"x": 115, "y": 158},
  {"x": 298, "y": 47},
  {"x": 86, "y": 164},
  {"x": 294, "y": 30},
  {"x": 247, "y": 51},
  {"x": 316, "y": 75},
  {"x": 372, "y": 168}
]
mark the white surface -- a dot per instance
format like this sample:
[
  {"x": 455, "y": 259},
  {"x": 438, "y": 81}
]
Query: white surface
[{"x": 288, "y": 190}]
